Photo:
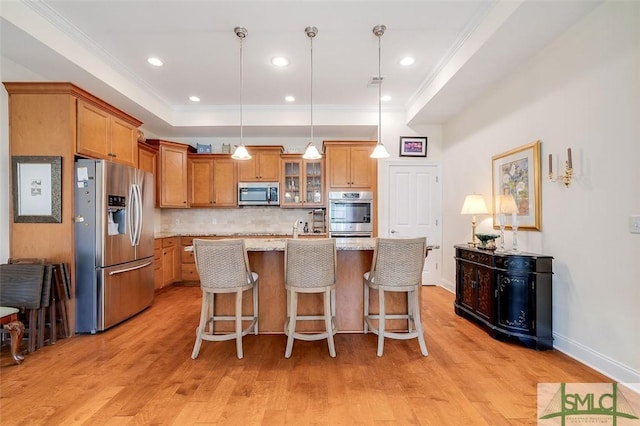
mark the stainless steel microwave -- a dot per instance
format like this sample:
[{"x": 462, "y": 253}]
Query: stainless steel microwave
[{"x": 258, "y": 194}]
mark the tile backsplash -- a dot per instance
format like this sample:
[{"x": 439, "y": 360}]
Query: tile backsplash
[{"x": 263, "y": 220}]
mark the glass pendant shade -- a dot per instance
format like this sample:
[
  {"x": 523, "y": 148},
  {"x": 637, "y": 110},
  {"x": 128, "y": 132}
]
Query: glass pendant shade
[
  {"x": 241, "y": 153},
  {"x": 379, "y": 152},
  {"x": 311, "y": 152}
]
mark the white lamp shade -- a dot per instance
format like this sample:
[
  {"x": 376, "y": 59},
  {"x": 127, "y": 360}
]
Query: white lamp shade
[
  {"x": 311, "y": 153},
  {"x": 379, "y": 152},
  {"x": 241, "y": 153},
  {"x": 474, "y": 204},
  {"x": 507, "y": 204}
]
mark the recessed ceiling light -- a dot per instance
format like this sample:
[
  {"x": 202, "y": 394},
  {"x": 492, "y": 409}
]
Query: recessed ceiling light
[
  {"x": 280, "y": 61},
  {"x": 385, "y": 98},
  {"x": 289, "y": 98},
  {"x": 155, "y": 62},
  {"x": 194, "y": 99},
  {"x": 406, "y": 61}
]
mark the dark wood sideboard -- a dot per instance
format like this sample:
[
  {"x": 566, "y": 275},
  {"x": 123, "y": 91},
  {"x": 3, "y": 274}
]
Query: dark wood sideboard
[{"x": 508, "y": 294}]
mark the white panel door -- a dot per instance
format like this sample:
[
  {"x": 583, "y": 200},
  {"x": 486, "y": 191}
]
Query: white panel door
[{"x": 415, "y": 210}]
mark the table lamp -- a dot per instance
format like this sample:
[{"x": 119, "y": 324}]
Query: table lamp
[{"x": 473, "y": 205}]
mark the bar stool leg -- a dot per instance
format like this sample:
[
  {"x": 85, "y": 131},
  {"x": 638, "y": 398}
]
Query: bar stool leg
[
  {"x": 293, "y": 309},
  {"x": 328, "y": 321},
  {"x": 239, "y": 324},
  {"x": 381, "y": 321}
]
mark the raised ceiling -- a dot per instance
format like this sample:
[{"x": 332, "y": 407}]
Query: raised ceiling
[{"x": 460, "y": 48}]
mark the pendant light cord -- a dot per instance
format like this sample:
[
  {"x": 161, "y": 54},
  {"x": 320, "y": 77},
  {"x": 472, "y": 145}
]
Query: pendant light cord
[
  {"x": 379, "y": 92},
  {"x": 311, "y": 88},
  {"x": 241, "y": 90}
]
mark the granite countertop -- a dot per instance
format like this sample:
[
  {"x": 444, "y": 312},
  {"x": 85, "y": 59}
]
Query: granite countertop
[
  {"x": 278, "y": 244},
  {"x": 235, "y": 234}
]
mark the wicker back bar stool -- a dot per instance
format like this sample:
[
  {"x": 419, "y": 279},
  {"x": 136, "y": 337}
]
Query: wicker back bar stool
[
  {"x": 396, "y": 267},
  {"x": 223, "y": 266},
  {"x": 310, "y": 267}
]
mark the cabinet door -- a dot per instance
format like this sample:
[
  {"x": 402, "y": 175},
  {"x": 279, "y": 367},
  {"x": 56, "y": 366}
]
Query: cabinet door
[
  {"x": 338, "y": 166},
  {"x": 173, "y": 176},
  {"x": 362, "y": 168},
  {"x": 200, "y": 182},
  {"x": 158, "y": 279},
  {"x": 123, "y": 146},
  {"x": 263, "y": 166},
  {"x": 269, "y": 166},
  {"x": 291, "y": 181},
  {"x": 467, "y": 285},
  {"x": 93, "y": 131},
  {"x": 515, "y": 302},
  {"x": 147, "y": 160},
  {"x": 225, "y": 183},
  {"x": 485, "y": 294},
  {"x": 170, "y": 260},
  {"x": 168, "y": 272},
  {"x": 247, "y": 169},
  {"x": 313, "y": 183}
]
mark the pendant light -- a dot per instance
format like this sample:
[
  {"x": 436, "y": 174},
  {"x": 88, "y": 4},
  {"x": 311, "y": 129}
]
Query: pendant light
[
  {"x": 311, "y": 152},
  {"x": 241, "y": 152},
  {"x": 380, "y": 151}
]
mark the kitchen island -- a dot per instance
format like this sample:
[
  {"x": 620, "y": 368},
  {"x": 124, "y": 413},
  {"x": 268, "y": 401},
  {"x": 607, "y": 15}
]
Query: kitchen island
[{"x": 354, "y": 256}]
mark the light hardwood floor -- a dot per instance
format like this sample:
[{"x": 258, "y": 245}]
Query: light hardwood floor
[{"x": 141, "y": 372}]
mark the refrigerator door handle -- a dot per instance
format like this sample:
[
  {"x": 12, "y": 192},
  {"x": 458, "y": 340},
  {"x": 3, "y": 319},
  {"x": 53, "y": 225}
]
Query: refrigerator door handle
[
  {"x": 131, "y": 216},
  {"x": 133, "y": 268},
  {"x": 138, "y": 213},
  {"x": 135, "y": 214}
]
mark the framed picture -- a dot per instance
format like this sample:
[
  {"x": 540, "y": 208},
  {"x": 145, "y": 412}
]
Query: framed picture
[
  {"x": 37, "y": 189},
  {"x": 413, "y": 146},
  {"x": 516, "y": 175}
]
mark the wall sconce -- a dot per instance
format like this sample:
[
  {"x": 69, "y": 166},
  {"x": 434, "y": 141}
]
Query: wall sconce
[
  {"x": 568, "y": 170},
  {"x": 473, "y": 205}
]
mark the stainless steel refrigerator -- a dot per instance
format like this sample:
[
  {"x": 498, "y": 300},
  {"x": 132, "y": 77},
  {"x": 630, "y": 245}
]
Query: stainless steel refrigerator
[{"x": 113, "y": 243}]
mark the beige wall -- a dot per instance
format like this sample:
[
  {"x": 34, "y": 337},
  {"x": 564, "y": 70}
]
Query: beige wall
[{"x": 582, "y": 91}]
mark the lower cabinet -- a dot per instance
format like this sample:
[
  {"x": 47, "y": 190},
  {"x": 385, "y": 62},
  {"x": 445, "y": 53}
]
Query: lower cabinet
[
  {"x": 188, "y": 270},
  {"x": 508, "y": 294},
  {"x": 167, "y": 261},
  {"x": 157, "y": 264}
]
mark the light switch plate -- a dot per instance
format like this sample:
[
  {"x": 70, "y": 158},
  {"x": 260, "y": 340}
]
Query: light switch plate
[{"x": 634, "y": 224}]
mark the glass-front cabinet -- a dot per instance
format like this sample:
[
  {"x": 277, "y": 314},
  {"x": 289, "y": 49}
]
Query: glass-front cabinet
[{"x": 302, "y": 182}]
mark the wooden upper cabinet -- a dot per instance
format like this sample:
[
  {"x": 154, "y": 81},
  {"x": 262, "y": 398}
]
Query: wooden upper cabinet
[
  {"x": 349, "y": 165},
  {"x": 302, "y": 182},
  {"x": 225, "y": 182},
  {"x": 102, "y": 135},
  {"x": 147, "y": 158},
  {"x": 172, "y": 175},
  {"x": 264, "y": 165},
  {"x": 213, "y": 181},
  {"x": 200, "y": 182},
  {"x": 124, "y": 142}
]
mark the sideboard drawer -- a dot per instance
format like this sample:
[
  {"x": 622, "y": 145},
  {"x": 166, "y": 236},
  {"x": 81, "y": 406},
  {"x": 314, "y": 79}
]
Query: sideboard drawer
[
  {"x": 516, "y": 263},
  {"x": 474, "y": 256}
]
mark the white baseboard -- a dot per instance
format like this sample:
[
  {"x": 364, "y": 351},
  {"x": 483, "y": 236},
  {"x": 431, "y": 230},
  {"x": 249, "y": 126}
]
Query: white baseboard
[
  {"x": 599, "y": 362},
  {"x": 448, "y": 285}
]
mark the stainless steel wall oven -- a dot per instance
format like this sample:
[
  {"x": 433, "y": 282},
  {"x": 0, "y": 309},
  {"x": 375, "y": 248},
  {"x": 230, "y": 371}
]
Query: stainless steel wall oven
[{"x": 350, "y": 214}]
